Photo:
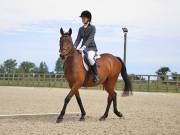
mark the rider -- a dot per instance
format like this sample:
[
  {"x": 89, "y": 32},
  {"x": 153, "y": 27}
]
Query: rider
[{"x": 87, "y": 33}]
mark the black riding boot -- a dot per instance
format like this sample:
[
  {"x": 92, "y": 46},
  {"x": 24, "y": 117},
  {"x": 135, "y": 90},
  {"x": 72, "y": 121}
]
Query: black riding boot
[{"x": 94, "y": 69}]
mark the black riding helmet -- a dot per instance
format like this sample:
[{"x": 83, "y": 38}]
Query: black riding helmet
[{"x": 87, "y": 14}]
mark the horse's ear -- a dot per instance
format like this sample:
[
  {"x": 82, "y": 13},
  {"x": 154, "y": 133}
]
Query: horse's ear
[
  {"x": 70, "y": 31},
  {"x": 61, "y": 31}
]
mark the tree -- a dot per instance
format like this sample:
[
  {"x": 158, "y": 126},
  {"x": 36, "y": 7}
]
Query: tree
[
  {"x": 43, "y": 68},
  {"x": 175, "y": 76},
  {"x": 10, "y": 66},
  {"x": 136, "y": 77},
  {"x": 36, "y": 69},
  {"x": 2, "y": 70},
  {"x": 59, "y": 65},
  {"x": 27, "y": 67},
  {"x": 163, "y": 72}
]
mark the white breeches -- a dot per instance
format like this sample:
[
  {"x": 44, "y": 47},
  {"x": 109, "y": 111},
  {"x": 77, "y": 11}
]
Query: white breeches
[{"x": 91, "y": 58}]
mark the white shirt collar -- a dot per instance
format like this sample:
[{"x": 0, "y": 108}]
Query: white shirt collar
[{"x": 85, "y": 26}]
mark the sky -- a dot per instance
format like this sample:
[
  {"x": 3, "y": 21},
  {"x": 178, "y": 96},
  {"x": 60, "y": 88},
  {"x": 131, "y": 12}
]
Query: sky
[{"x": 29, "y": 30}]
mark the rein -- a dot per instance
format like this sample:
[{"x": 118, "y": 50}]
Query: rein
[{"x": 68, "y": 52}]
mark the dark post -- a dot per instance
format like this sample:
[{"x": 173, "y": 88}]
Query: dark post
[
  {"x": 125, "y": 30},
  {"x": 148, "y": 83}
]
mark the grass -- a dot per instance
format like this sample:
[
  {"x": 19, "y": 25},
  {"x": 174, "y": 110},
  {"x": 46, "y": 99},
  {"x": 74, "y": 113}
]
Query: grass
[{"x": 144, "y": 87}]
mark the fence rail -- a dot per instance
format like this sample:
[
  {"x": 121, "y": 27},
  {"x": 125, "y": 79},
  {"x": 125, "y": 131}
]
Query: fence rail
[{"x": 149, "y": 83}]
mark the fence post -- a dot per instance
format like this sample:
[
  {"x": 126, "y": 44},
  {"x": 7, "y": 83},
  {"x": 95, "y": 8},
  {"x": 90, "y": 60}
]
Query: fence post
[
  {"x": 4, "y": 76},
  {"x": 157, "y": 82},
  {"x": 55, "y": 80},
  {"x": 33, "y": 79},
  {"x": 148, "y": 83},
  {"x": 49, "y": 80},
  {"x": 8, "y": 78},
  {"x": 177, "y": 83},
  {"x": 13, "y": 77},
  {"x": 167, "y": 84},
  {"x": 38, "y": 79},
  {"x": 18, "y": 79}
]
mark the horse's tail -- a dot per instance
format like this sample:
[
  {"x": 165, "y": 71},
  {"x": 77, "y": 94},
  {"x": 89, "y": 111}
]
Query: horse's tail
[{"x": 127, "y": 83}]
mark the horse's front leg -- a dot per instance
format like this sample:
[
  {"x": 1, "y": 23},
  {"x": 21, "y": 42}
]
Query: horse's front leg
[
  {"x": 83, "y": 113},
  {"x": 66, "y": 101}
]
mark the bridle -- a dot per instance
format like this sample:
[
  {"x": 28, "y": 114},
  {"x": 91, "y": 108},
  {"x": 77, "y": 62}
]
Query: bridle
[{"x": 67, "y": 51}]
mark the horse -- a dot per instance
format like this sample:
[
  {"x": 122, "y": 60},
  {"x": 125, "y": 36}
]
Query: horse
[{"x": 108, "y": 66}]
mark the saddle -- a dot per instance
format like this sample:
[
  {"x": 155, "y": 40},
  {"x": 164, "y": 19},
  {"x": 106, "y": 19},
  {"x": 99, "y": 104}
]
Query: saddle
[{"x": 86, "y": 61}]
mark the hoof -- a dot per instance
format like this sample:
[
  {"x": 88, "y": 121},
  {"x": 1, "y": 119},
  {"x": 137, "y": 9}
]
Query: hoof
[
  {"x": 82, "y": 118},
  {"x": 119, "y": 114},
  {"x": 103, "y": 118},
  {"x": 126, "y": 93},
  {"x": 59, "y": 120}
]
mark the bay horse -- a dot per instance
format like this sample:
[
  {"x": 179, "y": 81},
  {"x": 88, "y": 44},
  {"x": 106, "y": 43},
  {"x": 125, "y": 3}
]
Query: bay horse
[{"x": 109, "y": 67}]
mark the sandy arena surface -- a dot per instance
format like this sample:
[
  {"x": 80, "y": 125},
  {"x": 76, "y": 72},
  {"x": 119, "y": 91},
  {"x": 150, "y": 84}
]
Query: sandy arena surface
[{"x": 144, "y": 113}]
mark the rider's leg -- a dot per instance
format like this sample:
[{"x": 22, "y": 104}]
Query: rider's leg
[{"x": 91, "y": 55}]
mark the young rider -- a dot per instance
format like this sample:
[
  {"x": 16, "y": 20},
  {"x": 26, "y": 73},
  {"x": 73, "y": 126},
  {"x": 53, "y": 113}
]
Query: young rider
[{"x": 87, "y": 33}]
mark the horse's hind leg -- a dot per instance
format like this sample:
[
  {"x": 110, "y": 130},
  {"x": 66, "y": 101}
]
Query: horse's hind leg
[
  {"x": 107, "y": 108},
  {"x": 119, "y": 114},
  {"x": 78, "y": 98},
  {"x": 109, "y": 85}
]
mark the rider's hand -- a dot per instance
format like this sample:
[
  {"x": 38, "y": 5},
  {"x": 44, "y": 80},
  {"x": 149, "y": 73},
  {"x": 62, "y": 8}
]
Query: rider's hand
[{"x": 82, "y": 48}]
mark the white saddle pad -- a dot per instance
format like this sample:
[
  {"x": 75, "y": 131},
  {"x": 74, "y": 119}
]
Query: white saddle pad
[{"x": 84, "y": 63}]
